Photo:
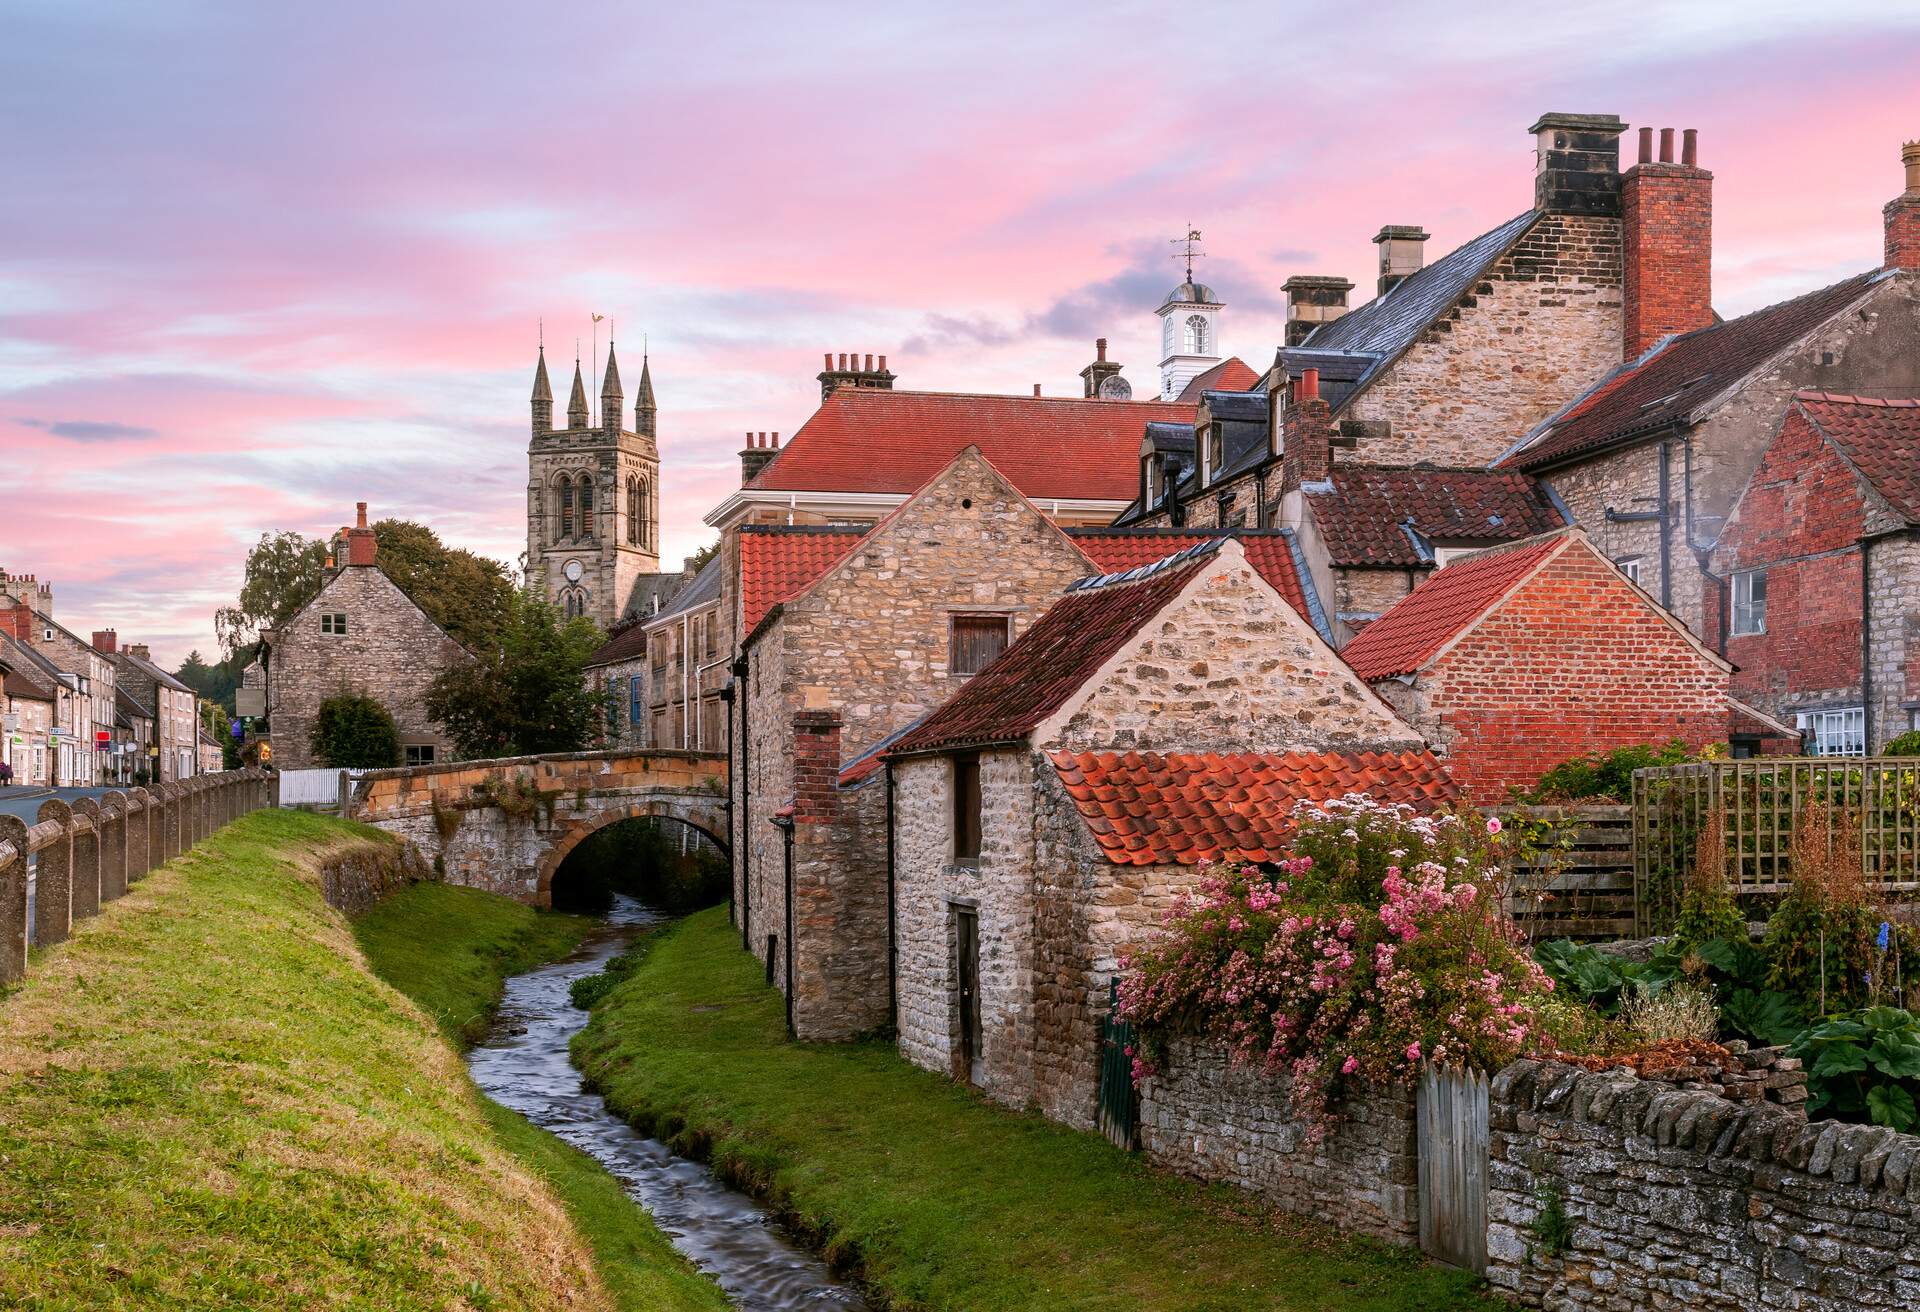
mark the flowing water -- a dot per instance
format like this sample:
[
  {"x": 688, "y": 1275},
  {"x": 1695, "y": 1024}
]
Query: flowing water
[{"x": 524, "y": 1065}]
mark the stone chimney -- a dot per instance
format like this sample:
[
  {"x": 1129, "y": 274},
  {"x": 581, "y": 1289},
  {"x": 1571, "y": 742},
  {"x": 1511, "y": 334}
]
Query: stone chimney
[
  {"x": 851, "y": 373},
  {"x": 1312, "y": 301},
  {"x": 1577, "y": 163},
  {"x": 27, "y": 588},
  {"x": 139, "y": 651},
  {"x": 1100, "y": 370},
  {"x": 1402, "y": 252},
  {"x": 759, "y": 452},
  {"x": 1306, "y": 451},
  {"x": 360, "y": 541},
  {"x": 1666, "y": 234},
  {"x": 106, "y": 641},
  {"x": 1903, "y": 215}
]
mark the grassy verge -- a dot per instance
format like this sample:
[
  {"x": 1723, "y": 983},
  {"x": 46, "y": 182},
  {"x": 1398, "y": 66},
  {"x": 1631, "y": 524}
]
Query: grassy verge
[
  {"x": 207, "y": 1101},
  {"x": 451, "y": 951},
  {"x": 945, "y": 1201}
]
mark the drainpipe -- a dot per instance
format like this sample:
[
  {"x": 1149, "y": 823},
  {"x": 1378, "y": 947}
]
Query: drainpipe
[
  {"x": 726, "y": 699},
  {"x": 746, "y": 810},
  {"x": 893, "y": 941},
  {"x": 1661, "y": 516},
  {"x": 785, "y": 825},
  {"x": 1866, "y": 645},
  {"x": 686, "y": 667}
]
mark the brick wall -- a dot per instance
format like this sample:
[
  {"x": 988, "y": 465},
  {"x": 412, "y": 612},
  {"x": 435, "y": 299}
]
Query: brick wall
[
  {"x": 1573, "y": 662},
  {"x": 1667, "y": 215}
]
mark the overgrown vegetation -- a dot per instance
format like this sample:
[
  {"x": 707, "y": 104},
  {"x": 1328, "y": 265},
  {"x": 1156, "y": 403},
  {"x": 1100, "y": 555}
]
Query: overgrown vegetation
[
  {"x": 207, "y": 1101},
  {"x": 352, "y": 731},
  {"x": 1605, "y": 776},
  {"x": 946, "y": 1201},
  {"x": 1864, "y": 1066},
  {"x": 525, "y": 695}
]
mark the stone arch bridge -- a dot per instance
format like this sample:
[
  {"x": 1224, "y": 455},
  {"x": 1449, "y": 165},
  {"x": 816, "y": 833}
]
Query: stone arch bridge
[{"x": 505, "y": 825}]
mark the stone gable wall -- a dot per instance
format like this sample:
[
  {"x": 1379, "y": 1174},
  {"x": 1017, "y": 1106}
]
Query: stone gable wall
[
  {"x": 1893, "y": 573},
  {"x": 391, "y": 652},
  {"x": 769, "y": 776},
  {"x": 1364, "y": 595}
]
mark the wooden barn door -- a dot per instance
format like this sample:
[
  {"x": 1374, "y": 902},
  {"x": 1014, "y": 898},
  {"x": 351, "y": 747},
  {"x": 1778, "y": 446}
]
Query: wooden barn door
[{"x": 1452, "y": 1135}]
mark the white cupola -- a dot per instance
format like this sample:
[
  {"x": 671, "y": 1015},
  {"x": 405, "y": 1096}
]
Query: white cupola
[{"x": 1189, "y": 336}]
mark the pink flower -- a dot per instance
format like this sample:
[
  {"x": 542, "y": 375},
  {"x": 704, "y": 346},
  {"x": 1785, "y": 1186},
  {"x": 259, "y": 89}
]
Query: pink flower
[
  {"x": 1493, "y": 824},
  {"x": 1413, "y": 1051},
  {"x": 1350, "y": 1065}
]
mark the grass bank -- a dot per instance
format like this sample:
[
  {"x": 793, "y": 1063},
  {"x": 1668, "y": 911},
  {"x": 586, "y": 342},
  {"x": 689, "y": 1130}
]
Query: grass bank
[
  {"x": 206, "y": 1100},
  {"x": 945, "y": 1201},
  {"x": 451, "y": 950}
]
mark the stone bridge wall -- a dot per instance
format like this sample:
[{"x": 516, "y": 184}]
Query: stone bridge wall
[{"x": 506, "y": 825}]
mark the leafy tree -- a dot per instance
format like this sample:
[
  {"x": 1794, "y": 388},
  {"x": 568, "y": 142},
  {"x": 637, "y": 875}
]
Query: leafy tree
[
  {"x": 353, "y": 731},
  {"x": 467, "y": 595},
  {"x": 1907, "y": 744},
  {"x": 526, "y": 694},
  {"x": 698, "y": 560},
  {"x": 282, "y": 574},
  {"x": 216, "y": 684}
]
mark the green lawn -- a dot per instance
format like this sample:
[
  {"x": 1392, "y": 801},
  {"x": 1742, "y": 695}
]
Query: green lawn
[
  {"x": 946, "y": 1201},
  {"x": 207, "y": 1101},
  {"x": 451, "y": 951}
]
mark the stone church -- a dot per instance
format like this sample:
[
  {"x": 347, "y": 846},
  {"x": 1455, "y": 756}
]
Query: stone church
[{"x": 593, "y": 500}]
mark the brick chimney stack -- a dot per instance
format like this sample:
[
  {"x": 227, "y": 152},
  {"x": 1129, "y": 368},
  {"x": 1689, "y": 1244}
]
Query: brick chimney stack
[
  {"x": 1667, "y": 243},
  {"x": 1306, "y": 451},
  {"x": 1577, "y": 164},
  {"x": 1903, "y": 215},
  {"x": 106, "y": 641},
  {"x": 1312, "y": 301},
  {"x": 758, "y": 453},
  {"x": 850, "y": 373},
  {"x": 1096, "y": 374},
  {"x": 1402, "y": 253},
  {"x": 360, "y": 540},
  {"x": 816, "y": 767},
  {"x": 16, "y": 620}
]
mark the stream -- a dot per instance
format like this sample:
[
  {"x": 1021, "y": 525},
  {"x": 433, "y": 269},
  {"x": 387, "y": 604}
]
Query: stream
[{"x": 524, "y": 1065}]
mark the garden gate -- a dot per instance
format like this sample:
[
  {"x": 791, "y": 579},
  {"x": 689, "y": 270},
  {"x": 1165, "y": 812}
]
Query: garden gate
[
  {"x": 1119, "y": 1103},
  {"x": 1451, "y": 1125}
]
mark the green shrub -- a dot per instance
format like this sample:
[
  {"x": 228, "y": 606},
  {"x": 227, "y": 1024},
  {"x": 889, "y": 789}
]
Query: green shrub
[
  {"x": 354, "y": 732},
  {"x": 1707, "y": 907},
  {"x": 1604, "y": 774},
  {"x": 1907, "y": 744},
  {"x": 1864, "y": 1066}
]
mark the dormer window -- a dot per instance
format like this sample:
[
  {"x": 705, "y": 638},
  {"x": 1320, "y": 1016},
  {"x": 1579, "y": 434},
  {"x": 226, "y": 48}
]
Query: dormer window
[{"x": 1216, "y": 452}]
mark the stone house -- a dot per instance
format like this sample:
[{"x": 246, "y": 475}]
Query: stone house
[
  {"x": 1515, "y": 659},
  {"x": 1817, "y": 574},
  {"x": 29, "y": 698},
  {"x": 666, "y": 673},
  {"x": 172, "y": 752},
  {"x": 1651, "y": 458},
  {"x": 895, "y": 620},
  {"x": 82, "y": 733},
  {"x": 1046, "y": 816},
  {"x": 359, "y": 634},
  {"x": 134, "y": 722}
]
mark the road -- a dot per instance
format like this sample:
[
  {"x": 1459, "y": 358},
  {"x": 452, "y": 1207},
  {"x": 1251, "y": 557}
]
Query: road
[{"x": 25, "y": 802}]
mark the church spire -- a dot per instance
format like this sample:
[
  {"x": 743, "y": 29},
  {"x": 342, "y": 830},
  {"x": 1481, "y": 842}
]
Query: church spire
[
  {"x": 643, "y": 404},
  {"x": 542, "y": 396},
  {"x": 611, "y": 396},
  {"x": 577, "y": 403}
]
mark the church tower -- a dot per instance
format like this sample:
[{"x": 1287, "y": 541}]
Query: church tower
[{"x": 593, "y": 496}]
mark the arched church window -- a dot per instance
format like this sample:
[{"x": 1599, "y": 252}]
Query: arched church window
[
  {"x": 646, "y": 512},
  {"x": 586, "y": 508},
  {"x": 573, "y": 603},
  {"x": 633, "y": 512},
  {"x": 1197, "y": 343},
  {"x": 566, "y": 508}
]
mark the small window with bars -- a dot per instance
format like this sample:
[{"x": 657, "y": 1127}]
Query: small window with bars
[
  {"x": 333, "y": 622},
  {"x": 975, "y": 640},
  {"x": 1840, "y": 732},
  {"x": 1750, "y": 602}
]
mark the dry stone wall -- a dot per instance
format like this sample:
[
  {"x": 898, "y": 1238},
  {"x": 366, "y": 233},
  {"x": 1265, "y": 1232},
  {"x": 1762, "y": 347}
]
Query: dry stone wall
[{"x": 354, "y": 879}]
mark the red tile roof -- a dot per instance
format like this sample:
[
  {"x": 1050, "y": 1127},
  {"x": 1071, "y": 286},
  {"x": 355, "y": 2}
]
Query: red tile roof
[
  {"x": 1881, "y": 436},
  {"x": 1036, "y": 675},
  {"x": 1145, "y": 808},
  {"x": 1231, "y": 375},
  {"x": 1114, "y": 551},
  {"x": 1685, "y": 373},
  {"x": 1446, "y": 604},
  {"x": 777, "y": 563},
  {"x": 1361, "y": 518},
  {"x": 1051, "y": 448}
]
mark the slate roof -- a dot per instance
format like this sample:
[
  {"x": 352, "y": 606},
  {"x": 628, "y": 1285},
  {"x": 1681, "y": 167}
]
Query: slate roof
[
  {"x": 1231, "y": 375},
  {"x": 1446, "y": 604},
  {"x": 1340, "y": 371},
  {"x": 126, "y": 703},
  {"x": 1380, "y": 515},
  {"x": 777, "y": 562},
  {"x": 21, "y": 684},
  {"x": 1146, "y": 808},
  {"x": 151, "y": 670},
  {"x": 1273, "y": 554},
  {"x": 1880, "y": 436},
  {"x": 1051, "y": 448},
  {"x": 630, "y": 640},
  {"x": 1045, "y": 666},
  {"x": 28, "y": 660},
  {"x": 1672, "y": 382}
]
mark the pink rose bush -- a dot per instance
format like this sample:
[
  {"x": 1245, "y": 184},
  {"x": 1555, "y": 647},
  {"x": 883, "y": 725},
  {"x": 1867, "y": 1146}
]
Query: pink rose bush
[{"x": 1381, "y": 942}]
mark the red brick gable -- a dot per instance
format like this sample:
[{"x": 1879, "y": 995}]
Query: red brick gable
[
  {"x": 777, "y": 564},
  {"x": 1148, "y": 808},
  {"x": 1051, "y": 448},
  {"x": 1880, "y": 435},
  {"x": 1446, "y": 604}
]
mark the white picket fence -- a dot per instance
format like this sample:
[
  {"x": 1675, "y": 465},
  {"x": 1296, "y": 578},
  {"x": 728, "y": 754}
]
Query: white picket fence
[{"x": 315, "y": 787}]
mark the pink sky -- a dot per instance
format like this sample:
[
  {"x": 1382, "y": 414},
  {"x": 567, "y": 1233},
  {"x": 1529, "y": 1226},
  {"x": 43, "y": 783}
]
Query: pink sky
[{"x": 260, "y": 262}]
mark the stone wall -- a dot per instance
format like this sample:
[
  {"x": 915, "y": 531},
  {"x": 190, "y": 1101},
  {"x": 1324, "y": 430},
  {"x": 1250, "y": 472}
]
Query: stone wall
[
  {"x": 354, "y": 879},
  {"x": 1893, "y": 637},
  {"x": 1203, "y": 1116},
  {"x": 1684, "y": 1199},
  {"x": 1363, "y": 595}
]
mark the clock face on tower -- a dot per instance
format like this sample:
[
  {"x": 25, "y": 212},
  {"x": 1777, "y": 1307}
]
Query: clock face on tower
[{"x": 573, "y": 571}]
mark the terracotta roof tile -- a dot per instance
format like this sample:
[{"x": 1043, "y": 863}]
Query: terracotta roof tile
[
  {"x": 1880, "y": 435},
  {"x": 1113, "y": 551},
  {"x": 1664, "y": 387},
  {"x": 1445, "y": 604},
  {"x": 1362, "y": 518},
  {"x": 778, "y": 563},
  {"x": 1146, "y": 808},
  {"x": 877, "y": 441},
  {"x": 1231, "y": 375}
]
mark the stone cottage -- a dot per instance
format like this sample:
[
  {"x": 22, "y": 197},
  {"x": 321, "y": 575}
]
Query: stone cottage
[
  {"x": 359, "y": 634},
  {"x": 1817, "y": 574},
  {"x": 664, "y": 673},
  {"x": 1515, "y": 659},
  {"x": 1046, "y": 815},
  {"x": 30, "y": 695},
  {"x": 173, "y": 750},
  {"x": 82, "y": 734},
  {"x": 894, "y": 621}
]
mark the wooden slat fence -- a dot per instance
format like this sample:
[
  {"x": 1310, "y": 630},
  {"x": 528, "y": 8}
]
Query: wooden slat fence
[
  {"x": 1759, "y": 802},
  {"x": 1576, "y": 879}
]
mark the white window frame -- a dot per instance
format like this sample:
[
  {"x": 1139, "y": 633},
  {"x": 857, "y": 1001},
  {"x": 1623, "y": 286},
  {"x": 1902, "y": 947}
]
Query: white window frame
[
  {"x": 1630, "y": 566},
  {"x": 1834, "y": 731},
  {"x": 333, "y": 623},
  {"x": 1749, "y": 616}
]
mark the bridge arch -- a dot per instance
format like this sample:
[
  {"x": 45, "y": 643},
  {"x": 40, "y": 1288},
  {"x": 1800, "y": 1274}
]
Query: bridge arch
[{"x": 577, "y": 833}]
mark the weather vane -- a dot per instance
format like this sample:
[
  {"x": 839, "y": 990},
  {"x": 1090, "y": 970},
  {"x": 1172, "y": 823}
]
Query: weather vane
[{"x": 1191, "y": 240}]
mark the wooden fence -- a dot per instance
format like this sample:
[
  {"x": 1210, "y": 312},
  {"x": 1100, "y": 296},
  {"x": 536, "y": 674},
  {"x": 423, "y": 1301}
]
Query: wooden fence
[
  {"x": 83, "y": 855},
  {"x": 1576, "y": 880},
  {"x": 1759, "y": 802}
]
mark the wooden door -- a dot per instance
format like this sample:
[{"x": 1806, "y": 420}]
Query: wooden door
[
  {"x": 1452, "y": 1137},
  {"x": 967, "y": 954}
]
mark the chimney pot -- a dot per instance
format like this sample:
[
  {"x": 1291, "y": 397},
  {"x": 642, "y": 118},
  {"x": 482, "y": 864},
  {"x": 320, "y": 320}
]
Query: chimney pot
[
  {"x": 1690, "y": 147},
  {"x": 1099, "y": 348},
  {"x": 883, "y": 364},
  {"x": 829, "y": 362},
  {"x": 1666, "y": 145},
  {"x": 775, "y": 443},
  {"x": 1309, "y": 384},
  {"x": 1646, "y": 145},
  {"x": 869, "y": 362},
  {"x": 843, "y": 362},
  {"x": 1036, "y": 389},
  {"x": 360, "y": 514},
  {"x": 1910, "y": 157},
  {"x": 1902, "y": 215}
]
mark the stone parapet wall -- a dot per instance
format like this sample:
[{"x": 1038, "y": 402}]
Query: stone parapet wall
[
  {"x": 1203, "y": 1116},
  {"x": 1684, "y": 1199},
  {"x": 353, "y": 879}
]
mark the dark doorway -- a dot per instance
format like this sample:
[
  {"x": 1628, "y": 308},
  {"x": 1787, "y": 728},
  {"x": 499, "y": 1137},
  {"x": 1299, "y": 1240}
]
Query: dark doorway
[
  {"x": 666, "y": 864},
  {"x": 966, "y": 935}
]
